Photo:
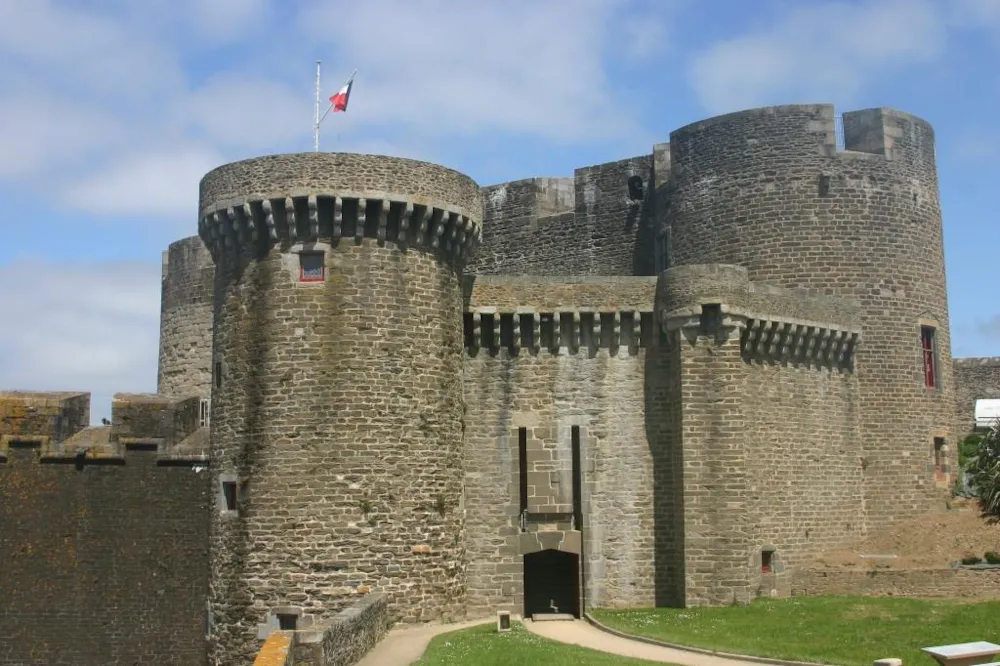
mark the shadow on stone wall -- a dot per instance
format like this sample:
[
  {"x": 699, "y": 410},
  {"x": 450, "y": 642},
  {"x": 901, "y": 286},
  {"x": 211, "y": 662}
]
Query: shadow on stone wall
[{"x": 662, "y": 409}]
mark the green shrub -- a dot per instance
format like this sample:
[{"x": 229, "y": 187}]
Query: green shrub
[
  {"x": 971, "y": 559},
  {"x": 984, "y": 472},
  {"x": 992, "y": 557}
]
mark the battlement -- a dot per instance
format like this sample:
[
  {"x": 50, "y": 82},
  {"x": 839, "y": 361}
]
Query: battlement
[
  {"x": 777, "y": 324},
  {"x": 534, "y": 197},
  {"x": 312, "y": 196},
  {"x": 810, "y": 129},
  {"x": 56, "y": 425}
]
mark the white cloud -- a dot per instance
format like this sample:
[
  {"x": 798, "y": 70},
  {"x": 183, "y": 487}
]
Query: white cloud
[
  {"x": 86, "y": 327},
  {"x": 444, "y": 67},
  {"x": 161, "y": 183},
  {"x": 822, "y": 51}
]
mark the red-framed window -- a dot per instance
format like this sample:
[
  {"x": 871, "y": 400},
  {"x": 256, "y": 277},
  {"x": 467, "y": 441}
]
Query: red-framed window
[
  {"x": 928, "y": 346},
  {"x": 311, "y": 267}
]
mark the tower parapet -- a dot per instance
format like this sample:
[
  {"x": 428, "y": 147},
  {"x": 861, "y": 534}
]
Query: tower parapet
[{"x": 337, "y": 394}]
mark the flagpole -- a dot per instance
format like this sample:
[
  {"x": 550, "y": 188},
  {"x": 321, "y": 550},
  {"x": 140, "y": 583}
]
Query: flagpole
[{"x": 316, "y": 114}]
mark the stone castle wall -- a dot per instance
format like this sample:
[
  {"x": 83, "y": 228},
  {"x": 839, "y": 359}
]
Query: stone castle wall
[
  {"x": 766, "y": 189},
  {"x": 104, "y": 532},
  {"x": 975, "y": 378},
  {"x": 185, "y": 365},
  {"x": 590, "y": 373},
  {"x": 766, "y": 408},
  {"x": 585, "y": 225},
  {"x": 337, "y": 405}
]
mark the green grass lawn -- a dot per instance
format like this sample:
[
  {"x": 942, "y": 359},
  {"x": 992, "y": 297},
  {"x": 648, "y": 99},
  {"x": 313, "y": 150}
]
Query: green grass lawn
[
  {"x": 483, "y": 646},
  {"x": 830, "y": 630}
]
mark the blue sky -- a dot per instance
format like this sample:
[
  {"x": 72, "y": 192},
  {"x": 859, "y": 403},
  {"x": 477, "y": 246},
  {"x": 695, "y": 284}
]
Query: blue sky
[{"x": 112, "y": 111}]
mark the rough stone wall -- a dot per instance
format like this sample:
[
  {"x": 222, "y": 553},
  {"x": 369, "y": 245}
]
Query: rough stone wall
[
  {"x": 57, "y": 415},
  {"x": 967, "y": 584},
  {"x": 766, "y": 189},
  {"x": 338, "y": 405},
  {"x": 975, "y": 378},
  {"x": 185, "y": 366},
  {"x": 600, "y": 388},
  {"x": 586, "y": 225},
  {"x": 766, "y": 430},
  {"x": 349, "y": 636},
  {"x": 105, "y": 552}
]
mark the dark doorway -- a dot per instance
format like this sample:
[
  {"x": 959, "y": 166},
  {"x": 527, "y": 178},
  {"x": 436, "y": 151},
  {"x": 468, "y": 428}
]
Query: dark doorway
[{"x": 551, "y": 583}]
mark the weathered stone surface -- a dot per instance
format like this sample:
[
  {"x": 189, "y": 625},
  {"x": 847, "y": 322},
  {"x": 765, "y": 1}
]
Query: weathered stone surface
[
  {"x": 767, "y": 190},
  {"x": 105, "y": 547},
  {"x": 971, "y": 584},
  {"x": 339, "y": 403},
  {"x": 975, "y": 378},
  {"x": 185, "y": 366}
]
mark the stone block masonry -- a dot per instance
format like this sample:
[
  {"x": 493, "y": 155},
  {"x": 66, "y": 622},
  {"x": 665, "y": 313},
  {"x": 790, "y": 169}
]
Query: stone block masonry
[
  {"x": 975, "y": 379},
  {"x": 767, "y": 189},
  {"x": 105, "y": 539},
  {"x": 185, "y": 362},
  {"x": 337, "y": 403}
]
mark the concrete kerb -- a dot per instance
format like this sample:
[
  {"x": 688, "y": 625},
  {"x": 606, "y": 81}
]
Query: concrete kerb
[{"x": 687, "y": 648}]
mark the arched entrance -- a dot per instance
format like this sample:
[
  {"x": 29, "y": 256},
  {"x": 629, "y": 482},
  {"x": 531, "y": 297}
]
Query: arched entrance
[{"x": 551, "y": 583}]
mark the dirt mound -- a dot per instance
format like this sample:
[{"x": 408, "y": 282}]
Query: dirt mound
[{"x": 927, "y": 542}]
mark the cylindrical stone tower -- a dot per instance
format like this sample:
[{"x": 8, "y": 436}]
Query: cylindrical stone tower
[
  {"x": 337, "y": 405},
  {"x": 186, "y": 320},
  {"x": 767, "y": 189}
]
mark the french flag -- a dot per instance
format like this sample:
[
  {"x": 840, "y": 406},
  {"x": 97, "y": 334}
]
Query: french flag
[{"x": 339, "y": 100}]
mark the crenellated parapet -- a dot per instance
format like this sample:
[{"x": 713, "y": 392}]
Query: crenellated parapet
[
  {"x": 776, "y": 325},
  {"x": 288, "y": 199},
  {"x": 560, "y": 332},
  {"x": 56, "y": 426}
]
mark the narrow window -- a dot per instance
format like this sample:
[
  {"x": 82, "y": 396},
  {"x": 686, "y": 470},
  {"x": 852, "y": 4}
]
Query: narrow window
[
  {"x": 218, "y": 374},
  {"x": 203, "y": 413},
  {"x": 311, "y": 268},
  {"x": 287, "y": 622},
  {"x": 824, "y": 185},
  {"x": 577, "y": 478},
  {"x": 928, "y": 344},
  {"x": 522, "y": 462},
  {"x": 939, "y": 457},
  {"x": 229, "y": 493},
  {"x": 766, "y": 557}
]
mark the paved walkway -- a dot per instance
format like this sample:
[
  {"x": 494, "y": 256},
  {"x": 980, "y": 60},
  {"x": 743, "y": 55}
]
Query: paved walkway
[
  {"x": 405, "y": 644},
  {"x": 584, "y": 634}
]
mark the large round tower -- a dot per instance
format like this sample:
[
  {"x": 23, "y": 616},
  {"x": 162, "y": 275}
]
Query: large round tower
[
  {"x": 185, "y": 366},
  {"x": 769, "y": 190},
  {"x": 337, "y": 406}
]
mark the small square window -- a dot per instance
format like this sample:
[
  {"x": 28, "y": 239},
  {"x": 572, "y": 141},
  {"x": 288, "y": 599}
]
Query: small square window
[
  {"x": 287, "y": 622},
  {"x": 311, "y": 267}
]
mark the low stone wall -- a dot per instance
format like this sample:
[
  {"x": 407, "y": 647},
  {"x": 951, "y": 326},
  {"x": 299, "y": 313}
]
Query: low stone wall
[
  {"x": 347, "y": 638},
  {"x": 960, "y": 583}
]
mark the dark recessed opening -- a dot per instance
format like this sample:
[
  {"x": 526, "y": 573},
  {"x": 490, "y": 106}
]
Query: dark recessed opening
[
  {"x": 218, "y": 374},
  {"x": 229, "y": 493},
  {"x": 504, "y": 621},
  {"x": 522, "y": 464},
  {"x": 824, "y": 185},
  {"x": 766, "y": 557},
  {"x": 635, "y": 192},
  {"x": 287, "y": 622}
]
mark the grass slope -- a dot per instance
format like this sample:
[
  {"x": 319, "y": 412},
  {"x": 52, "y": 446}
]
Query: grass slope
[
  {"x": 483, "y": 646},
  {"x": 845, "y": 631}
]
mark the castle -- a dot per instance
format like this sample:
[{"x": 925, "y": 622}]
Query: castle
[{"x": 669, "y": 380}]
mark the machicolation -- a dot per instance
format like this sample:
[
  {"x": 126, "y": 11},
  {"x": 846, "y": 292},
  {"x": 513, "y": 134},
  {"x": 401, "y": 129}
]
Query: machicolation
[{"x": 389, "y": 394}]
